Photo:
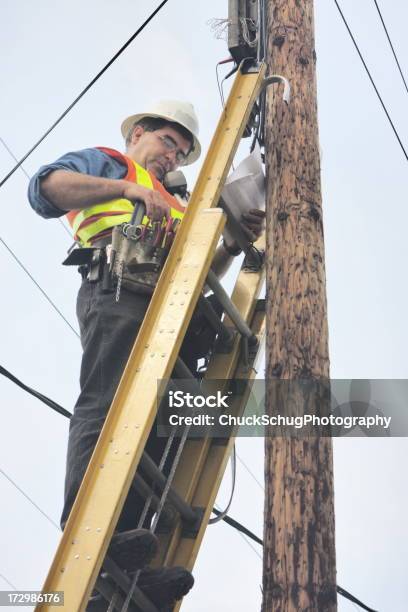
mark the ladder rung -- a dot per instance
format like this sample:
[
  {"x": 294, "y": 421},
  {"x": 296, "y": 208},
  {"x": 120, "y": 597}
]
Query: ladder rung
[
  {"x": 125, "y": 583},
  {"x": 143, "y": 489},
  {"x": 224, "y": 334},
  {"x": 230, "y": 308},
  {"x": 150, "y": 468},
  {"x": 108, "y": 592}
]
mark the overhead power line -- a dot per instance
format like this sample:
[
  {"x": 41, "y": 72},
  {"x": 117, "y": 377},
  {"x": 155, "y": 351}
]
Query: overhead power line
[
  {"x": 391, "y": 45},
  {"x": 29, "y": 498},
  {"x": 251, "y": 473},
  {"x": 20, "y": 263},
  {"x": 8, "y": 582},
  {"x": 5, "y": 145},
  {"x": 43, "y": 398},
  {"x": 371, "y": 79},
  {"x": 49, "y": 300},
  {"x": 85, "y": 90},
  {"x": 351, "y": 597},
  {"x": 249, "y": 543}
]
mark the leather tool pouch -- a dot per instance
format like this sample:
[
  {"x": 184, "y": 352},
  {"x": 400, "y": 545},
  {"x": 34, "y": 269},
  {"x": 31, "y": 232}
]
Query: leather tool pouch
[{"x": 136, "y": 261}]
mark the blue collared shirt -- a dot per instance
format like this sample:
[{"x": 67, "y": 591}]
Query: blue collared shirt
[{"x": 87, "y": 161}]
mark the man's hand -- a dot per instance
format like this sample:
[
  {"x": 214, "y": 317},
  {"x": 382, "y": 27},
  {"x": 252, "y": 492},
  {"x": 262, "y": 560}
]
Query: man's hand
[
  {"x": 252, "y": 223},
  {"x": 156, "y": 205}
]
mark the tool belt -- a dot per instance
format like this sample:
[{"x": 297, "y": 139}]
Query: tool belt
[{"x": 133, "y": 260}]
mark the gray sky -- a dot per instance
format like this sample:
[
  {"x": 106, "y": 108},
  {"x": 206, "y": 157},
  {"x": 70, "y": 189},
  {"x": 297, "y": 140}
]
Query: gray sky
[{"x": 50, "y": 52}]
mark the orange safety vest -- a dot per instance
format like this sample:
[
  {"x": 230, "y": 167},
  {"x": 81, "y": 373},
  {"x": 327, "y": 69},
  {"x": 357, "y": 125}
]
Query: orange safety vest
[{"x": 91, "y": 224}]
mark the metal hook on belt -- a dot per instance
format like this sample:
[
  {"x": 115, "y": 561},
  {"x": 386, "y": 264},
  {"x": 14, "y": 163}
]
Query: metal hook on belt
[{"x": 134, "y": 229}]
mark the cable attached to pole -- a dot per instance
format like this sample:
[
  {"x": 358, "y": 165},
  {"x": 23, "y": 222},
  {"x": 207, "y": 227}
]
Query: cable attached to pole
[{"x": 222, "y": 515}]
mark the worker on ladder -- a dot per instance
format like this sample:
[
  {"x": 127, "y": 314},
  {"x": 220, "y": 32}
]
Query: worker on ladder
[{"x": 98, "y": 190}]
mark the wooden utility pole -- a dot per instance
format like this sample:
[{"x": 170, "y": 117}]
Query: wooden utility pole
[{"x": 299, "y": 543}]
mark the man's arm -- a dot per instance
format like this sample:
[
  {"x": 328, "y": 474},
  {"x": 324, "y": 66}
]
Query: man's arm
[
  {"x": 93, "y": 162},
  {"x": 72, "y": 191},
  {"x": 80, "y": 179}
]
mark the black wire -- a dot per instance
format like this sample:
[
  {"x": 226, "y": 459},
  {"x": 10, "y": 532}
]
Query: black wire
[
  {"x": 219, "y": 86},
  {"x": 391, "y": 45},
  {"x": 43, "y": 398},
  {"x": 84, "y": 91},
  {"x": 233, "y": 523},
  {"x": 38, "y": 286},
  {"x": 371, "y": 79},
  {"x": 351, "y": 597},
  {"x": 221, "y": 89}
]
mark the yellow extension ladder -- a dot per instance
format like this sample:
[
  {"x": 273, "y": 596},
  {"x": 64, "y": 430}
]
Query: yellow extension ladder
[{"x": 120, "y": 447}]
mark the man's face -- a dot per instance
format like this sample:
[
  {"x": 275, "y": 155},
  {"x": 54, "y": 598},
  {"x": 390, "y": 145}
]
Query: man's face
[{"x": 159, "y": 151}]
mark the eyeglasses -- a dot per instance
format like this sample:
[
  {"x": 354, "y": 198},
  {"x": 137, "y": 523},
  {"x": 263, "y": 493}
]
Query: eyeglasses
[{"x": 170, "y": 145}]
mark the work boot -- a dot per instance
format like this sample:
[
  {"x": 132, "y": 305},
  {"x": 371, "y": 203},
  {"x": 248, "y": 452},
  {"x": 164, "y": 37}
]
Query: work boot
[
  {"x": 165, "y": 586},
  {"x": 133, "y": 549}
]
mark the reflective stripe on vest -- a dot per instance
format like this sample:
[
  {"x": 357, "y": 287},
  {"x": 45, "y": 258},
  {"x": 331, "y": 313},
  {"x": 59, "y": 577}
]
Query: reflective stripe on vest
[{"x": 89, "y": 223}]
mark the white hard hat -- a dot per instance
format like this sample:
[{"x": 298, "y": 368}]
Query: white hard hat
[{"x": 176, "y": 112}]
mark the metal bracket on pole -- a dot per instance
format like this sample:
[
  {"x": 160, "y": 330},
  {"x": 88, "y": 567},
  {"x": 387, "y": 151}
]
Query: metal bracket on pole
[{"x": 277, "y": 78}]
